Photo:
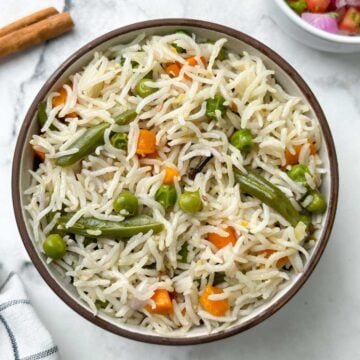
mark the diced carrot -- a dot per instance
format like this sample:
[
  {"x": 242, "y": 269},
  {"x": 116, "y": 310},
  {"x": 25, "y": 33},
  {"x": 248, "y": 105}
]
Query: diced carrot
[
  {"x": 39, "y": 152},
  {"x": 192, "y": 61},
  {"x": 146, "y": 143},
  {"x": 214, "y": 307},
  {"x": 222, "y": 241},
  {"x": 162, "y": 301},
  {"x": 170, "y": 174},
  {"x": 173, "y": 70},
  {"x": 72, "y": 115},
  {"x": 60, "y": 100},
  {"x": 281, "y": 262},
  {"x": 153, "y": 155},
  {"x": 292, "y": 159}
]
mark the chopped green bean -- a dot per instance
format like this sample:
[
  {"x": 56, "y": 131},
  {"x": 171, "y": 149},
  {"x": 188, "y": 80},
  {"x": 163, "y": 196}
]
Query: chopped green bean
[
  {"x": 214, "y": 104},
  {"x": 256, "y": 185},
  {"x": 126, "y": 117},
  {"x": 184, "y": 251},
  {"x": 95, "y": 228},
  {"x": 119, "y": 140},
  {"x": 86, "y": 144},
  {"x": 166, "y": 195}
]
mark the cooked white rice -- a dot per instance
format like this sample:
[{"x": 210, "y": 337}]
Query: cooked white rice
[{"x": 118, "y": 271}]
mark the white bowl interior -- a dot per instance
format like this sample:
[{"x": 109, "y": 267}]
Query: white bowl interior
[
  {"x": 337, "y": 38},
  {"x": 236, "y": 46}
]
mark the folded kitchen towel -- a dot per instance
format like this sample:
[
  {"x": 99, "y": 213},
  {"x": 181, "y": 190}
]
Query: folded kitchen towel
[{"x": 22, "y": 335}]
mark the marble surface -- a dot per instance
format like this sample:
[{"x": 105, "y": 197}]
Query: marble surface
[{"x": 323, "y": 320}]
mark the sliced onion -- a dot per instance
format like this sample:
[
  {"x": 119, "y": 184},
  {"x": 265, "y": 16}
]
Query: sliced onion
[{"x": 324, "y": 22}]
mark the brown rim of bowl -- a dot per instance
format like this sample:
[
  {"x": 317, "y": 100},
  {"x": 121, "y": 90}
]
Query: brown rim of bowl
[{"x": 87, "y": 314}]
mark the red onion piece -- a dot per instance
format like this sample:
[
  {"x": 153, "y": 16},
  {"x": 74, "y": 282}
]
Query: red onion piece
[
  {"x": 342, "y": 3},
  {"x": 324, "y": 22}
]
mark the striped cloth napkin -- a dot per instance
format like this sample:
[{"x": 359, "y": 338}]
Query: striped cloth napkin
[{"x": 22, "y": 335}]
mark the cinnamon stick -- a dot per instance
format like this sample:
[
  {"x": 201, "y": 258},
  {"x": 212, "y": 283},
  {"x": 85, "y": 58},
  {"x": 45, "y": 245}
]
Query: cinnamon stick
[
  {"x": 28, "y": 20},
  {"x": 36, "y": 33}
]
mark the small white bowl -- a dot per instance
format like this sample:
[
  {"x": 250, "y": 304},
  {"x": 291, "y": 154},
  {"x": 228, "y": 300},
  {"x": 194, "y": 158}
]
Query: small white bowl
[{"x": 309, "y": 35}]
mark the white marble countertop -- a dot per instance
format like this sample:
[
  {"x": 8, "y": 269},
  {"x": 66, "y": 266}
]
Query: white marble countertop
[{"x": 323, "y": 320}]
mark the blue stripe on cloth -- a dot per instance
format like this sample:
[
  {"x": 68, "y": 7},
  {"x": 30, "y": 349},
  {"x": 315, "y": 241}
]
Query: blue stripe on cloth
[
  {"x": 12, "y": 338},
  {"x": 6, "y": 280},
  {"x": 12, "y": 303},
  {"x": 42, "y": 354}
]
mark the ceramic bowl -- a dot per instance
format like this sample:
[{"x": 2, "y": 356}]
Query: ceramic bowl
[
  {"x": 237, "y": 42},
  {"x": 309, "y": 35}
]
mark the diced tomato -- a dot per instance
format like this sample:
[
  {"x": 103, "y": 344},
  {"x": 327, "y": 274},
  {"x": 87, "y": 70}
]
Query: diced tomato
[
  {"x": 351, "y": 20},
  {"x": 318, "y": 6}
]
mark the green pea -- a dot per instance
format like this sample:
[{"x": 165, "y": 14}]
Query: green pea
[
  {"x": 190, "y": 201},
  {"x": 126, "y": 117},
  {"x": 298, "y": 6},
  {"x": 242, "y": 140},
  {"x": 318, "y": 202},
  {"x": 166, "y": 196},
  {"x": 184, "y": 252},
  {"x": 297, "y": 173},
  {"x": 213, "y": 104},
  {"x": 54, "y": 246},
  {"x": 126, "y": 204},
  {"x": 143, "y": 90},
  {"x": 101, "y": 304},
  {"x": 119, "y": 140}
]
